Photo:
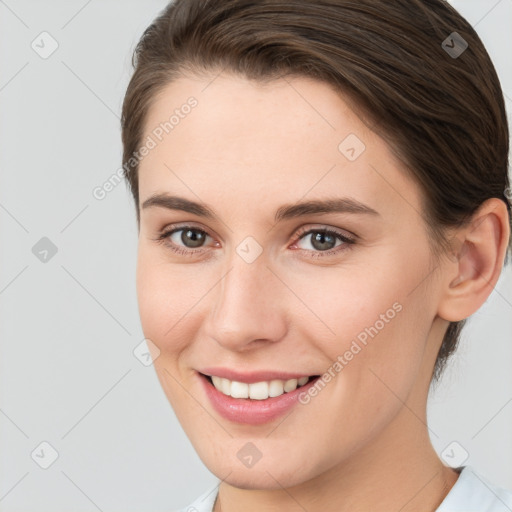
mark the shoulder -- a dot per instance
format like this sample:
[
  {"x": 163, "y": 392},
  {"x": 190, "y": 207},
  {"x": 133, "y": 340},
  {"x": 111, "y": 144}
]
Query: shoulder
[
  {"x": 203, "y": 503},
  {"x": 472, "y": 492}
]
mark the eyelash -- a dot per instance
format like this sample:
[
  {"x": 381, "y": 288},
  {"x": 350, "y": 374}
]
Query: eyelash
[{"x": 163, "y": 238}]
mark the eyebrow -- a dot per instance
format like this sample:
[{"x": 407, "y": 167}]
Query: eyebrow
[{"x": 285, "y": 212}]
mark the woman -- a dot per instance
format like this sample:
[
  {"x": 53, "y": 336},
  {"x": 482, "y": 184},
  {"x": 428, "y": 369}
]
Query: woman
[{"x": 321, "y": 195}]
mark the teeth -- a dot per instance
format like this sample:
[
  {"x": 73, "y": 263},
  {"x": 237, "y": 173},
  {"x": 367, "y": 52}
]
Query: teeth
[
  {"x": 276, "y": 388},
  {"x": 302, "y": 381},
  {"x": 239, "y": 389},
  {"x": 290, "y": 385},
  {"x": 225, "y": 386},
  {"x": 257, "y": 390}
]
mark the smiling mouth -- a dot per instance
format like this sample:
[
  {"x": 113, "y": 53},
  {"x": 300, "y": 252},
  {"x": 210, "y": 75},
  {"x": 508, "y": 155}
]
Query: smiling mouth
[{"x": 257, "y": 390}]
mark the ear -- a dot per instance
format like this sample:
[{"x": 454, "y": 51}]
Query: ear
[{"x": 479, "y": 250}]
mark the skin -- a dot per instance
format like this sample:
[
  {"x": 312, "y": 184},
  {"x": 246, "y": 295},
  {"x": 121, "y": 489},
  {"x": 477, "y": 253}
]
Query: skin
[{"x": 245, "y": 150}]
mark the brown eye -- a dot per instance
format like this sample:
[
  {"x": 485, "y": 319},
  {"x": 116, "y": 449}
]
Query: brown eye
[
  {"x": 183, "y": 239},
  {"x": 191, "y": 238}
]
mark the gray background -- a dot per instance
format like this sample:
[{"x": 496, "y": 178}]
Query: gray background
[{"x": 69, "y": 325}]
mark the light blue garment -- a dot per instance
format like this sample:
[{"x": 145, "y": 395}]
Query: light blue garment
[
  {"x": 471, "y": 493},
  {"x": 204, "y": 503}
]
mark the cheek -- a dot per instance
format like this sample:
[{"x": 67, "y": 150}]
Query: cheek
[
  {"x": 373, "y": 320},
  {"x": 166, "y": 297},
  {"x": 360, "y": 302}
]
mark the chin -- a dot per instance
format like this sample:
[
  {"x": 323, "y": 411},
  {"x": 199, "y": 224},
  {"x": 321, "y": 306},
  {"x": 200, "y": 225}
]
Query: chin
[
  {"x": 271, "y": 474},
  {"x": 259, "y": 480}
]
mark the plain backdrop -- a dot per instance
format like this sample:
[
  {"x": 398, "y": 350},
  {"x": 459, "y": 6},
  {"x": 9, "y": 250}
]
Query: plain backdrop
[{"x": 69, "y": 321}]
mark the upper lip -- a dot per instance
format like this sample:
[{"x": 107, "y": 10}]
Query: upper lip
[{"x": 252, "y": 376}]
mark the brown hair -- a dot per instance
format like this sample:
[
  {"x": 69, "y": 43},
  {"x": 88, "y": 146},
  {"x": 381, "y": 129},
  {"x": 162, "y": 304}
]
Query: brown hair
[{"x": 441, "y": 113}]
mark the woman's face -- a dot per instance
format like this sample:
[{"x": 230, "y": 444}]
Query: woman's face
[{"x": 245, "y": 285}]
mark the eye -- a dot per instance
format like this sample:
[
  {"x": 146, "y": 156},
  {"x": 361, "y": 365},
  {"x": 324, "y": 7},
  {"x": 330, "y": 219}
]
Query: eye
[
  {"x": 189, "y": 240},
  {"x": 184, "y": 240},
  {"x": 190, "y": 237},
  {"x": 324, "y": 241}
]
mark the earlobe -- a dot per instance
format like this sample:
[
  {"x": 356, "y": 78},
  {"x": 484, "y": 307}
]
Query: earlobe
[{"x": 474, "y": 268}]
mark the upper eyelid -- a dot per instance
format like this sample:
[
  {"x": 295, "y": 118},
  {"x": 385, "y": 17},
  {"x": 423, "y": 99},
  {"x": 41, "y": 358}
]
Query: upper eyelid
[
  {"x": 339, "y": 231},
  {"x": 176, "y": 227}
]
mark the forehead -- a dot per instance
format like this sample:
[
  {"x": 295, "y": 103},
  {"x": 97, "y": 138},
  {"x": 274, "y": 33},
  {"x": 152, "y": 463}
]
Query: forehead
[{"x": 288, "y": 137}]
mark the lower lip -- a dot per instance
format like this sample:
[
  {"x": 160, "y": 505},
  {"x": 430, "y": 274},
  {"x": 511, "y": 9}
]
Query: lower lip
[{"x": 253, "y": 412}]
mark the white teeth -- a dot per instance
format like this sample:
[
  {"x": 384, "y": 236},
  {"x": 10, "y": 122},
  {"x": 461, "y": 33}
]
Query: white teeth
[
  {"x": 225, "y": 386},
  {"x": 290, "y": 385},
  {"x": 276, "y": 388},
  {"x": 302, "y": 381},
  {"x": 239, "y": 389},
  {"x": 257, "y": 390}
]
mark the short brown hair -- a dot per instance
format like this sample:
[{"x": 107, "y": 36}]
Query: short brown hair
[{"x": 443, "y": 115}]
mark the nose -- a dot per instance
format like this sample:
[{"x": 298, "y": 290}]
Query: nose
[{"x": 249, "y": 306}]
